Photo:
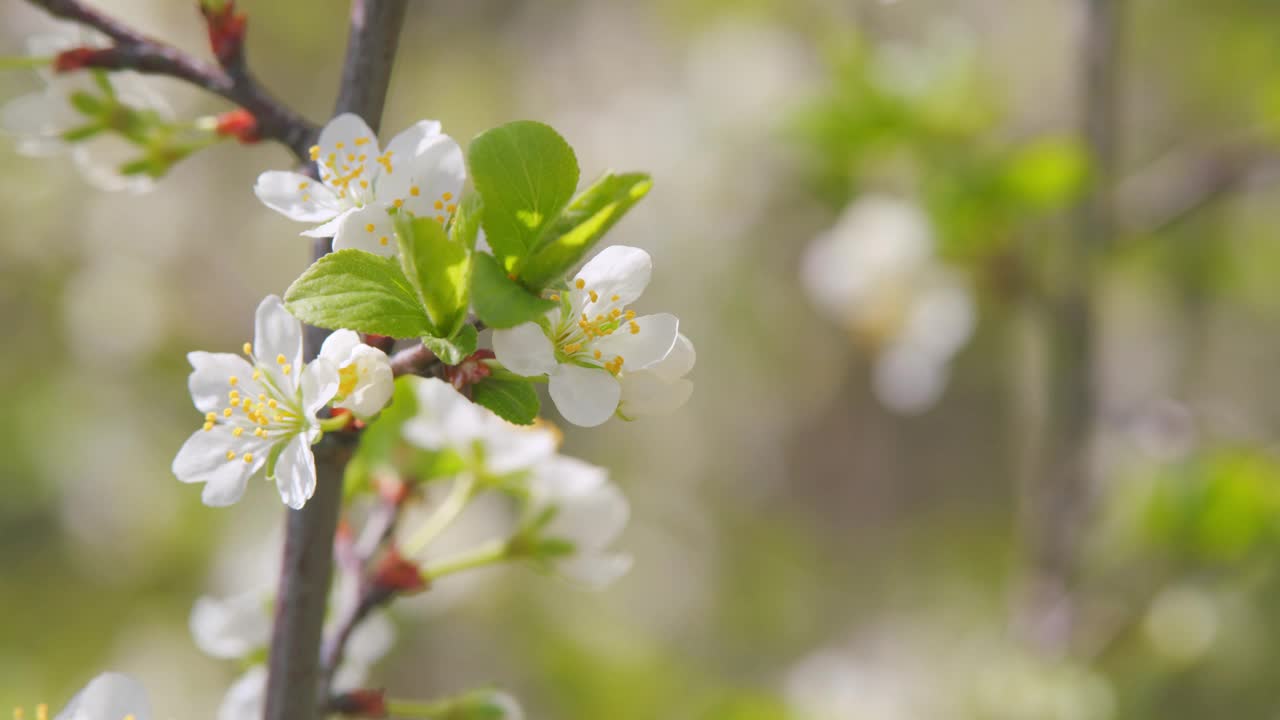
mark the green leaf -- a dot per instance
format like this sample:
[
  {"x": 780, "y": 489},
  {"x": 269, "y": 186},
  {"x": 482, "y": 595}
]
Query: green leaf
[
  {"x": 454, "y": 350},
  {"x": 361, "y": 291},
  {"x": 526, "y": 174},
  {"x": 439, "y": 271},
  {"x": 500, "y": 301},
  {"x": 512, "y": 400},
  {"x": 582, "y": 224},
  {"x": 381, "y": 438}
]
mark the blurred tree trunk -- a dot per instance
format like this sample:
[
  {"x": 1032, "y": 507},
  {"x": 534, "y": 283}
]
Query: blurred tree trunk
[{"x": 1060, "y": 493}]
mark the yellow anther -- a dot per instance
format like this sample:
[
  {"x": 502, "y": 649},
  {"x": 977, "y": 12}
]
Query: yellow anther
[
  {"x": 259, "y": 432},
  {"x": 233, "y": 380},
  {"x": 597, "y": 354},
  {"x": 247, "y": 348},
  {"x": 351, "y": 157},
  {"x": 248, "y": 403},
  {"x": 572, "y": 348},
  {"x": 580, "y": 283},
  {"x": 248, "y": 457},
  {"x": 614, "y": 314},
  {"x": 451, "y": 207},
  {"x": 615, "y": 298},
  {"x": 210, "y": 416},
  {"x": 631, "y": 314},
  {"x": 635, "y": 327},
  {"x": 398, "y": 202},
  {"x": 227, "y": 412},
  {"x": 447, "y": 196},
  {"x": 595, "y": 297},
  {"x": 439, "y": 205},
  {"x": 231, "y": 454},
  {"x": 364, "y": 184},
  {"x": 207, "y": 426},
  {"x": 262, "y": 397},
  {"x": 272, "y": 403},
  {"x": 440, "y": 219},
  {"x": 286, "y": 370},
  {"x": 384, "y": 240},
  {"x": 362, "y": 141},
  {"x": 339, "y": 145},
  {"x": 555, "y": 298},
  {"x": 257, "y": 374},
  {"x": 314, "y": 151},
  {"x": 281, "y": 359},
  {"x": 306, "y": 197},
  {"x": 414, "y": 190},
  {"x": 238, "y": 432},
  {"x": 369, "y": 227}
]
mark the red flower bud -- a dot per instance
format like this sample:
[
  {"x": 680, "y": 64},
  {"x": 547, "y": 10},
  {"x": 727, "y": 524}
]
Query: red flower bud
[
  {"x": 79, "y": 58},
  {"x": 393, "y": 573},
  {"x": 239, "y": 124},
  {"x": 226, "y": 31},
  {"x": 361, "y": 703},
  {"x": 469, "y": 371}
]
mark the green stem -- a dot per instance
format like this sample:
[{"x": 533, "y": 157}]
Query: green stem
[
  {"x": 459, "y": 496},
  {"x": 490, "y": 553},
  {"x": 335, "y": 423},
  {"x": 24, "y": 62},
  {"x": 417, "y": 708}
]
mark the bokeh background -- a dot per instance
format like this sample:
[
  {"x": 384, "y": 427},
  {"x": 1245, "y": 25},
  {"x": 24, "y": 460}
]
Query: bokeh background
[{"x": 814, "y": 540}]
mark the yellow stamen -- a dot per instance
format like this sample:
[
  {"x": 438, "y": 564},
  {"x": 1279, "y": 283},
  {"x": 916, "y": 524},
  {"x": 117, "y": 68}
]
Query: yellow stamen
[
  {"x": 369, "y": 227},
  {"x": 595, "y": 297},
  {"x": 579, "y": 283},
  {"x": 289, "y": 368},
  {"x": 272, "y": 404},
  {"x": 631, "y": 314},
  {"x": 572, "y": 348},
  {"x": 248, "y": 457},
  {"x": 447, "y": 196},
  {"x": 384, "y": 240},
  {"x": 398, "y": 202},
  {"x": 635, "y": 327},
  {"x": 207, "y": 426},
  {"x": 362, "y": 141},
  {"x": 281, "y": 359},
  {"x": 451, "y": 207},
  {"x": 439, "y": 205},
  {"x": 615, "y": 298},
  {"x": 339, "y": 145},
  {"x": 257, "y": 374},
  {"x": 247, "y": 348},
  {"x": 210, "y": 416},
  {"x": 314, "y": 151},
  {"x": 231, "y": 454},
  {"x": 238, "y": 432},
  {"x": 227, "y": 412},
  {"x": 414, "y": 190},
  {"x": 440, "y": 219},
  {"x": 597, "y": 354},
  {"x": 233, "y": 380}
]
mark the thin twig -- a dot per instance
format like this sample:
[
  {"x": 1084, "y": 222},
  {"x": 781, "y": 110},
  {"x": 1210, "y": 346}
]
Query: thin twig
[
  {"x": 135, "y": 51},
  {"x": 294, "y": 689}
]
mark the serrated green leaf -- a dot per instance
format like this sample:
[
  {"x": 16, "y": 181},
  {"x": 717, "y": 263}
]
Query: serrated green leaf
[
  {"x": 380, "y": 439},
  {"x": 526, "y": 174},
  {"x": 361, "y": 291},
  {"x": 438, "y": 269},
  {"x": 512, "y": 400},
  {"x": 454, "y": 350},
  {"x": 500, "y": 301},
  {"x": 581, "y": 225}
]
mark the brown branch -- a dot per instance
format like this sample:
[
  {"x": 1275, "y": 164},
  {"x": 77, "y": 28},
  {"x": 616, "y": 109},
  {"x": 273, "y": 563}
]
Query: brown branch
[
  {"x": 294, "y": 689},
  {"x": 1062, "y": 484},
  {"x": 137, "y": 52}
]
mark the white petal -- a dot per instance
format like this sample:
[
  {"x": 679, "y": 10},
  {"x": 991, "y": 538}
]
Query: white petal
[
  {"x": 370, "y": 229},
  {"x": 584, "y": 396},
  {"x": 319, "y": 383},
  {"x": 337, "y": 348},
  {"x": 246, "y": 698},
  {"x": 435, "y": 168},
  {"x": 276, "y": 335},
  {"x": 909, "y": 379},
  {"x": 645, "y": 393},
  {"x": 210, "y": 377},
  {"x": 107, "y": 697},
  {"x": 36, "y": 120},
  {"x": 296, "y": 196},
  {"x": 226, "y": 484},
  {"x": 202, "y": 453},
  {"x": 443, "y": 415},
  {"x": 657, "y": 335},
  {"x": 410, "y": 142},
  {"x": 296, "y": 473},
  {"x": 509, "y": 448},
  {"x": 618, "y": 270},
  {"x": 595, "y": 570},
  {"x": 525, "y": 350},
  {"x": 375, "y": 383},
  {"x": 330, "y": 227},
  {"x": 346, "y": 129},
  {"x": 100, "y": 158},
  {"x": 591, "y": 520},
  {"x": 677, "y": 363},
  {"x": 562, "y": 476},
  {"x": 231, "y": 628}
]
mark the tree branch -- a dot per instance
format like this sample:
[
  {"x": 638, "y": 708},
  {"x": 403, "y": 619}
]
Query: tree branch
[
  {"x": 293, "y": 684},
  {"x": 135, "y": 51}
]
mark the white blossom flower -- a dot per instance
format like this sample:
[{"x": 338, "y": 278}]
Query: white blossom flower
[
  {"x": 585, "y": 344},
  {"x": 486, "y": 442},
  {"x": 876, "y": 274},
  {"x": 247, "y": 696},
  {"x": 589, "y": 514},
  {"x": 258, "y": 412},
  {"x": 232, "y": 628},
  {"x": 40, "y": 120},
  {"x": 421, "y": 172},
  {"x": 365, "y": 381},
  {"x": 109, "y": 696},
  {"x": 660, "y": 388}
]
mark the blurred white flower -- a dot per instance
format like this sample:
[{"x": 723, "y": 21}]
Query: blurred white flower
[
  {"x": 41, "y": 119},
  {"x": 586, "y": 342},
  {"x": 247, "y": 696},
  {"x": 232, "y": 628},
  {"x": 257, "y": 414},
  {"x": 661, "y": 388},
  {"x": 876, "y": 274},
  {"x": 109, "y": 696},
  {"x": 365, "y": 380},
  {"x": 486, "y": 443},
  {"x": 588, "y": 514},
  {"x": 360, "y": 186}
]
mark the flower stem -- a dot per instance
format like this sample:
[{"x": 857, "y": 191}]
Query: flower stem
[
  {"x": 490, "y": 553},
  {"x": 335, "y": 422},
  {"x": 459, "y": 496},
  {"x": 426, "y": 710}
]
